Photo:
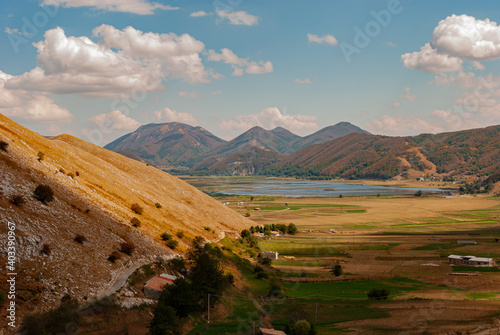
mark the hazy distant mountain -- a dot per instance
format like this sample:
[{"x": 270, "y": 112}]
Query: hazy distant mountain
[
  {"x": 249, "y": 161},
  {"x": 324, "y": 135},
  {"x": 277, "y": 140},
  {"x": 167, "y": 144},
  {"x": 358, "y": 156}
]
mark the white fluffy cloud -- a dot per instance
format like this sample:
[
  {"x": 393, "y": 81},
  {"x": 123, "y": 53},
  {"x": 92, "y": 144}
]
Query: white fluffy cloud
[
  {"x": 240, "y": 65},
  {"x": 171, "y": 115},
  {"x": 77, "y": 65},
  {"x": 397, "y": 104},
  {"x": 303, "y": 81},
  {"x": 115, "y": 120},
  {"x": 238, "y": 18},
  {"x": 30, "y": 106},
  {"x": 141, "y": 7},
  {"x": 456, "y": 38},
  {"x": 199, "y": 14},
  {"x": 325, "y": 39},
  {"x": 270, "y": 118},
  {"x": 465, "y": 36},
  {"x": 429, "y": 60}
]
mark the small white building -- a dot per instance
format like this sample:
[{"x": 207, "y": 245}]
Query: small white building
[
  {"x": 270, "y": 254},
  {"x": 470, "y": 260},
  {"x": 466, "y": 242}
]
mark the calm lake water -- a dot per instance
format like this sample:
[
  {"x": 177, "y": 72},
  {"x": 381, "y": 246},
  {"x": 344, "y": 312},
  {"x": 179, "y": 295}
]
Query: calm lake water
[{"x": 308, "y": 188}]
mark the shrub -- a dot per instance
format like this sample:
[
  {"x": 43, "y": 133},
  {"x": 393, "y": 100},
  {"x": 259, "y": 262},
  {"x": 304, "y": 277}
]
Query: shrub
[
  {"x": 172, "y": 244},
  {"x": 72, "y": 175},
  {"x": 79, "y": 238},
  {"x": 17, "y": 200},
  {"x": 166, "y": 236},
  {"x": 180, "y": 234},
  {"x": 62, "y": 171},
  {"x": 87, "y": 211},
  {"x": 265, "y": 261},
  {"x": 46, "y": 249},
  {"x": 257, "y": 269},
  {"x": 158, "y": 205},
  {"x": 419, "y": 193},
  {"x": 292, "y": 229},
  {"x": 44, "y": 193},
  {"x": 245, "y": 233},
  {"x": 40, "y": 156},
  {"x": 247, "y": 214},
  {"x": 114, "y": 256},
  {"x": 337, "y": 269},
  {"x": 206, "y": 228},
  {"x": 3, "y": 146},
  {"x": 77, "y": 173},
  {"x": 127, "y": 248},
  {"x": 136, "y": 208},
  {"x": 376, "y": 294},
  {"x": 135, "y": 222}
]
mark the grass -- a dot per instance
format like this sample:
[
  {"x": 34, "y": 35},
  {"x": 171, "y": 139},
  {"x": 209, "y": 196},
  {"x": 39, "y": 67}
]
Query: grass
[
  {"x": 353, "y": 289},
  {"x": 438, "y": 246},
  {"x": 482, "y": 295}
]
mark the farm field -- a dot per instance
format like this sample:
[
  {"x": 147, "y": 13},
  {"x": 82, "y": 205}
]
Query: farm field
[{"x": 396, "y": 243}]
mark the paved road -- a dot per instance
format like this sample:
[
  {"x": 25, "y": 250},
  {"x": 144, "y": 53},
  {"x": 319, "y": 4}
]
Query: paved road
[{"x": 120, "y": 281}]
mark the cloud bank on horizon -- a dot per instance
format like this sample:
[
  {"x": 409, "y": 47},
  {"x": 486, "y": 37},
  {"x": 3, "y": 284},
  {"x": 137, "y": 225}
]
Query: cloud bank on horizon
[{"x": 230, "y": 68}]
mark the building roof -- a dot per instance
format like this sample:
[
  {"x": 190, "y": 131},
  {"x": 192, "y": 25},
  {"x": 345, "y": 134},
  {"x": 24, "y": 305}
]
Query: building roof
[
  {"x": 266, "y": 331},
  {"x": 158, "y": 282},
  {"x": 471, "y": 258},
  {"x": 164, "y": 275}
]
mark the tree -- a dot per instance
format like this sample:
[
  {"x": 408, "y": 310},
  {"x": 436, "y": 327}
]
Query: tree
[
  {"x": 17, "y": 200},
  {"x": 135, "y": 222},
  {"x": 302, "y": 327},
  {"x": 245, "y": 233},
  {"x": 166, "y": 236},
  {"x": 419, "y": 193},
  {"x": 165, "y": 321},
  {"x": 292, "y": 229},
  {"x": 127, "y": 248},
  {"x": 207, "y": 277},
  {"x": 337, "y": 269},
  {"x": 376, "y": 294},
  {"x": 43, "y": 193},
  {"x": 136, "y": 208},
  {"x": 4, "y": 145},
  {"x": 181, "y": 297}
]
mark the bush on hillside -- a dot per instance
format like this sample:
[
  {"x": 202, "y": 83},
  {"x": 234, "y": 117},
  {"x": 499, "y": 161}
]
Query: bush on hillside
[
  {"x": 127, "y": 248},
  {"x": 79, "y": 238},
  {"x": 136, "y": 208},
  {"x": 40, "y": 156},
  {"x": 114, "y": 256},
  {"x": 43, "y": 193},
  {"x": 135, "y": 222},
  {"x": 3, "y": 146},
  {"x": 17, "y": 200}
]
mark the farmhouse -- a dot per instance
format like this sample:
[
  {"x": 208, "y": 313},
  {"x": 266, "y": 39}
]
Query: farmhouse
[
  {"x": 270, "y": 254},
  {"x": 153, "y": 287},
  {"x": 266, "y": 331},
  {"x": 275, "y": 233},
  {"x": 471, "y": 260}
]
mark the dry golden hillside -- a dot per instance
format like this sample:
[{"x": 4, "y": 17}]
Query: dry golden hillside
[{"x": 95, "y": 203}]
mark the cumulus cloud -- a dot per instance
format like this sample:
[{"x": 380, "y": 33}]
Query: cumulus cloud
[
  {"x": 115, "y": 120},
  {"x": 456, "y": 38},
  {"x": 467, "y": 80},
  {"x": 465, "y": 36},
  {"x": 30, "y": 106},
  {"x": 77, "y": 65},
  {"x": 199, "y": 14},
  {"x": 402, "y": 125},
  {"x": 240, "y": 65},
  {"x": 141, "y": 7},
  {"x": 238, "y": 18},
  {"x": 303, "y": 81},
  {"x": 408, "y": 95},
  {"x": 171, "y": 115},
  {"x": 429, "y": 60},
  {"x": 325, "y": 39},
  {"x": 270, "y": 118}
]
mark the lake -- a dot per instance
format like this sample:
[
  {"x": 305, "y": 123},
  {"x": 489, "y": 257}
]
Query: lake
[{"x": 309, "y": 188}]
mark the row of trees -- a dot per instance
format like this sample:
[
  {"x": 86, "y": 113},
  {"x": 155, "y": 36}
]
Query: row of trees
[{"x": 266, "y": 229}]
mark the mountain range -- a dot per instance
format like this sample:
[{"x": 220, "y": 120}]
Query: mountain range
[
  {"x": 340, "y": 151},
  {"x": 177, "y": 145}
]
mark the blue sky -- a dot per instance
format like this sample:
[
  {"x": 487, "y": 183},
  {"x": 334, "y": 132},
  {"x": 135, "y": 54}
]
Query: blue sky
[{"x": 99, "y": 69}]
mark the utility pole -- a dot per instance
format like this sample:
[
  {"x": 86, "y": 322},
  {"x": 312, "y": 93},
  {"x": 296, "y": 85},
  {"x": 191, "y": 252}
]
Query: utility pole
[{"x": 209, "y": 308}]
